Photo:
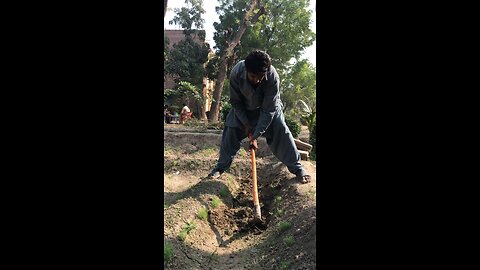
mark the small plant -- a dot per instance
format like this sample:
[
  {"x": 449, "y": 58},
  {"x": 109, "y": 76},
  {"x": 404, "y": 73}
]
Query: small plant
[
  {"x": 284, "y": 265},
  {"x": 224, "y": 192},
  {"x": 311, "y": 193},
  {"x": 289, "y": 241},
  {"x": 165, "y": 205},
  {"x": 202, "y": 214},
  {"x": 186, "y": 230},
  {"x": 242, "y": 152},
  {"x": 279, "y": 212},
  {"x": 277, "y": 199},
  {"x": 216, "y": 202},
  {"x": 284, "y": 225},
  {"x": 167, "y": 252},
  {"x": 182, "y": 235}
]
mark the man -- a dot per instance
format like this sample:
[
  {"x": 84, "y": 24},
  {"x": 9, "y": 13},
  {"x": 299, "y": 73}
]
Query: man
[{"x": 256, "y": 111}]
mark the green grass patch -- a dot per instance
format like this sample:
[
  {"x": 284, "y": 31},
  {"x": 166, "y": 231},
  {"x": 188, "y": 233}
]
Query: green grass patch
[
  {"x": 278, "y": 212},
  {"x": 186, "y": 230},
  {"x": 284, "y": 265},
  {"x": 167, "y": 252},
  {"x": 312, "y": 193},
  {"x": 289, "y": 241},
  {"x": 216, "y": 202},
  {"x": 277, "y": 199},
  {"x": 202, "y": 214},
  {"x": 242, "y": 152},
  {"x": 284, "y": 225}
]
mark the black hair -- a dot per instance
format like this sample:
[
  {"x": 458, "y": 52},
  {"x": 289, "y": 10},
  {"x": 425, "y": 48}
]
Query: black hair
[{"x": 258, "y": 61}]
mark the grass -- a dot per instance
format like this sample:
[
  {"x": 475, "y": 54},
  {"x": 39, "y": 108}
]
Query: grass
[
  {"x": 278, "y": 212},
  {"x": 167, "y": 252},
  {"x": 202, "y": 214},
  {"x": 277, "y": 199},
  {"x": 289, "y": 241},
  {"x": 242, "y": 152},
  {"x": 216, "y": 202},
  {"x": 284, "y": 265},
  {"x": 311, "y": 193},
  {"x": 224, "y": 192},
  {"x": 284, "y": 225},
  {"x": 186, "y": 230},
  {"x": 165, "y": 205}
]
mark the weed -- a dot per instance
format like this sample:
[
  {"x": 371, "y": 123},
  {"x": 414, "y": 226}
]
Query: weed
[
  {"x": 165, "y": 205},
  {"x": 289, "y": 241},
  {"x": 182, "y": 235},
  {"x": 216, "y": 202},
  {"x": 278, "y": 212},
  {"x": 284, "y": 265},
  {"x": 186, "y": 230},
  {"x": 167, "y": 252},
  {"x": 224, "y": 192},
  {"x": 242, "y": 152},
  {"x": 277, "y": 199},
  {"x": 284, "y": 225},
  {"x": 311, "y": 193},
  {"x": 202, "y": 214}
]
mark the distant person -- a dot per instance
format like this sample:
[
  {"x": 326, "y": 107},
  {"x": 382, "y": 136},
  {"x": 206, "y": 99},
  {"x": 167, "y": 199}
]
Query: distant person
[
  {"x": 166, "y": 114},
  {"x": 185, "y": 113},
  {"x": 257, "y": 111}
]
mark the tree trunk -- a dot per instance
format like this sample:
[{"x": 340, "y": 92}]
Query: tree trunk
[
  {"x": 222, "y": 70},
  {"x": 165, "y": 2}
]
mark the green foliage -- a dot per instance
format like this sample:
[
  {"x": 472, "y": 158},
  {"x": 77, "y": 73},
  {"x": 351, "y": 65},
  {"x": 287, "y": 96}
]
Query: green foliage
[
  {"x": 202, "y": 214},
  {"x": 285, "y": 21},
  {"x": 289, "y": 241},
  {"x": 308, "y": 115},
  {"x": 299, "y": 83},
  {"x": 284, "y": 265},
  {"x": 225, "y": 110},
  {"x": 277, "y": 199},
  {"x": 216, "y": 202},
  {"x": 313, "y": 141},
  {"x": 284, "y": 225},
  {"x": 187, "y": 59},
  {"x": 186, "y": 230},
  {"x": 293, "y": 126},
  {"x": 167, "y": 252}
]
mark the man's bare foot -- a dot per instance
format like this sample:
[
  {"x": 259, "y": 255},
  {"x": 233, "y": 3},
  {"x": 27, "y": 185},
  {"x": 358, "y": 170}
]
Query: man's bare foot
[{"x": 305, "y": 179}]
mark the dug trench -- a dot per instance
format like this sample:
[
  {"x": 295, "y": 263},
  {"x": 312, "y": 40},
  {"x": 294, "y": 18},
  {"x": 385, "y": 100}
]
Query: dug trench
[{"x": 229, "y": 238}]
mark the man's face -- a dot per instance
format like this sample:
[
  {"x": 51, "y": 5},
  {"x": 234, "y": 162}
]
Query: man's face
[{"x": 256, "y": 78}]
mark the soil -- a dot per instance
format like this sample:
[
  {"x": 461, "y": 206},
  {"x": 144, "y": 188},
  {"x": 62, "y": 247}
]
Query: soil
[{"x": 230, "y": 237}]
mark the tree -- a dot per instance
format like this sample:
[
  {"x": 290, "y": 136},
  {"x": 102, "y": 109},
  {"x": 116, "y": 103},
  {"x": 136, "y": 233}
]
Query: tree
[
  {"x": 165, "y": 3},
  {"x": 186, "y": 60},
  {"x": 284, "y": 32},
  {"x": 232, "y": 41},
  {"x": 299, "y": 83}
]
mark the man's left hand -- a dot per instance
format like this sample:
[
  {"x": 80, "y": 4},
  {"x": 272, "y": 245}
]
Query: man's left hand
[{"x": 253, "y": 143}]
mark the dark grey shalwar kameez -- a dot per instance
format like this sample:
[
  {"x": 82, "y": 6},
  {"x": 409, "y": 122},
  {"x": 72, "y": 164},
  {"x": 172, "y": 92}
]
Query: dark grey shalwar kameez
[{"x": 262, "y": 109}]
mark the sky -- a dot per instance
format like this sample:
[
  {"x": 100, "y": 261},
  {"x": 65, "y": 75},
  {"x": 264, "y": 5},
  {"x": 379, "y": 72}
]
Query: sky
[{"x": 211, "y": 16}]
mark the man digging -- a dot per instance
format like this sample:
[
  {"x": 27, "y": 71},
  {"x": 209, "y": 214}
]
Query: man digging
[{"x": 257, "y": 111}]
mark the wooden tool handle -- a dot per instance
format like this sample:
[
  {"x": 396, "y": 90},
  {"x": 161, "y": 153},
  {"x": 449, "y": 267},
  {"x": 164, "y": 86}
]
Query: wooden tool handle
[{"x": 256, "y": 202}]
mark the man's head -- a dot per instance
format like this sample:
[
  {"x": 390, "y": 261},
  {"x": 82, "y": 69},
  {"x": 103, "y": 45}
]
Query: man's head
[{"x": 257, "y": 63}]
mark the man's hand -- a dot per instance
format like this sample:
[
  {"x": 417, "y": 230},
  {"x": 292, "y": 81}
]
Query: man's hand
[{"x": 253, "y": 143}]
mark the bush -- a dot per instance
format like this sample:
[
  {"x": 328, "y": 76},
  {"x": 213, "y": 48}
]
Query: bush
[
  {"x": 293, "y": 126},
  {"x": 313, "y": 141},
  {"x": 225, "y": 110}
]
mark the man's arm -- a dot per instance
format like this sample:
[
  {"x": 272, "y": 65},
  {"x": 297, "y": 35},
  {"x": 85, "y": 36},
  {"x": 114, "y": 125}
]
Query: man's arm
[
  {"x": 269, "y": 105},
  {"x": 236, "y": 100}
]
